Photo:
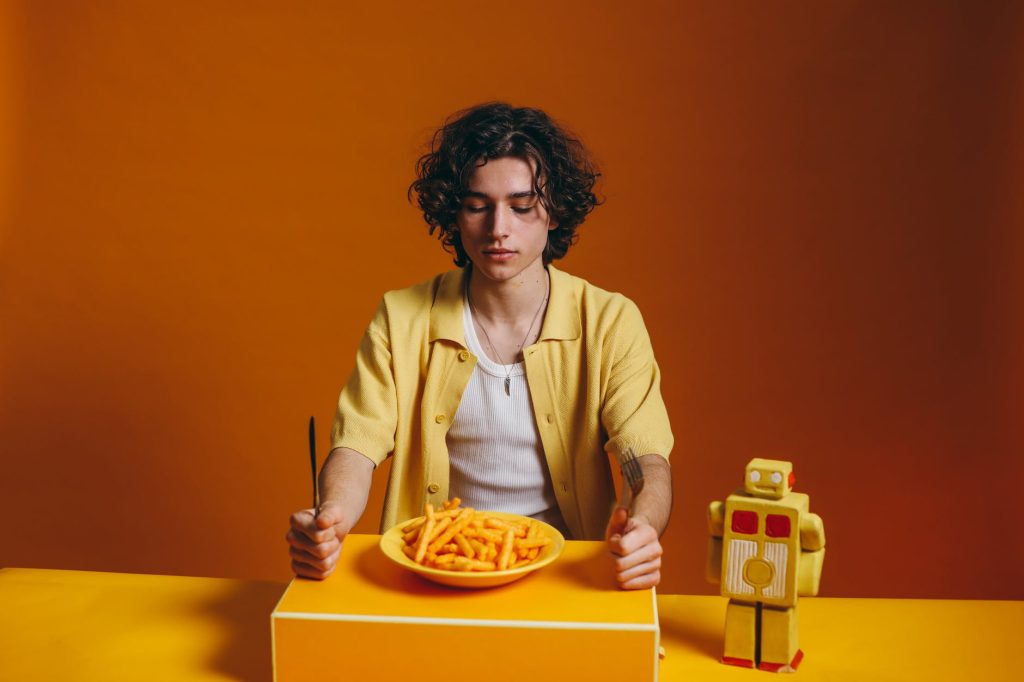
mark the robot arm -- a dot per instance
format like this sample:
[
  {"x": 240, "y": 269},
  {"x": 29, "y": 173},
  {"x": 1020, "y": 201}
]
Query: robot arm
[
  {"x": 812, "y": 532},
  {"x": 716, "y": 526},
  {"x": 716, "y": 518},
  {"x": 812, "y": 542}
]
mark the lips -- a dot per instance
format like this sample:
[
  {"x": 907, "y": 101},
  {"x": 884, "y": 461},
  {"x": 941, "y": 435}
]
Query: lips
[{"x": 499, "y": 255}]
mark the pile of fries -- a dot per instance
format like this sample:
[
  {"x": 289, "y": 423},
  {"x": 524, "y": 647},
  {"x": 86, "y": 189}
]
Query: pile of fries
[{"x": 457, "y": 538}]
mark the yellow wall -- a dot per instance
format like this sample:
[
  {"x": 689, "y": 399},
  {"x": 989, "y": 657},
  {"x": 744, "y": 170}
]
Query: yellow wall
[{"x": 816, "y": 205}]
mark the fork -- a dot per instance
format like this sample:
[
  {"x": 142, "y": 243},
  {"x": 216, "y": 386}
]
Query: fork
[
  {"x": 633, "y": 478},
  {"x": 312, "y": 461}
]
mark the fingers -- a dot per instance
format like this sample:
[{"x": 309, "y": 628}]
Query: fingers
[
  {"x": 641, "y": 574},
  {"x": 306, "y": 571},
  {"x": 303, "y": 522},
  {"x": 633, "y": 536},
  {"x": 637, "y": 534},
  {"x": 318, "y": 550},
  {"x": 314, "y": 542},
  {"x": 642, "y": 555},
  {"x": 644, "y": 580},
  {"x": 310, "y": 566},
  {"x": 637, "y": 553}
]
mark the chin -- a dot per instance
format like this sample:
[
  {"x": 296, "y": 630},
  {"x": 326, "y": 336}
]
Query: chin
[{"x": 497, "y": 273}]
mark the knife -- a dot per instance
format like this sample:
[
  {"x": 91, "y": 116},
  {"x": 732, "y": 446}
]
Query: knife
[{"x": 312, "y": 462}]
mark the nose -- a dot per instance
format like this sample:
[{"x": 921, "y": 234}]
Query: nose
[{"x": 500, "y": 223}]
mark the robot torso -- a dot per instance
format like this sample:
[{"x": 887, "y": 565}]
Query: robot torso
[{"x": 761, "y": 548}]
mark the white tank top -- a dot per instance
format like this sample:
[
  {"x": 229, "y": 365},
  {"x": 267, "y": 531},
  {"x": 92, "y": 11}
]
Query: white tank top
[{"x": 494, "y": 448}]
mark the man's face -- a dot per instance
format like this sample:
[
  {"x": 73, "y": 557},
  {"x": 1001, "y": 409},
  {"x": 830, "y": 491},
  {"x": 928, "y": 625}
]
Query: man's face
[{"x": 503, "y": 225}]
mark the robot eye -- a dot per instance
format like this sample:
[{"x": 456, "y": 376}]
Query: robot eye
[
  {"x": 755, "y": 476},
  {"x": 776, "y": 477}
]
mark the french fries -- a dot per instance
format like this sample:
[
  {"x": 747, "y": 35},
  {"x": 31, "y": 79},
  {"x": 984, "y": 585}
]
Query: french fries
[{"x": 456, "y": 538}]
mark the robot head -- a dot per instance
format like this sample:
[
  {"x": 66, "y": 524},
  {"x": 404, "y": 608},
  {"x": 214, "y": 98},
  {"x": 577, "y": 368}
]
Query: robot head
[{"x": 769, "y": 478}]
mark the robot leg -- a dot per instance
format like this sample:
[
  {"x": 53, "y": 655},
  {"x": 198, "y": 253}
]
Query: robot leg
[
  {"x": 780, "y": 650},
  {"x": 740, "y": 634}
]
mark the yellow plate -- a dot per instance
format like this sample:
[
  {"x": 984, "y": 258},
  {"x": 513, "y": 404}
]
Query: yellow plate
[{"x": 391, "y": 544}]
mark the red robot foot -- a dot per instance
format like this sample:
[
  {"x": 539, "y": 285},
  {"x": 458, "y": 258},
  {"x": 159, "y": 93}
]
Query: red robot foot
[{"x": 783, "y": 667}]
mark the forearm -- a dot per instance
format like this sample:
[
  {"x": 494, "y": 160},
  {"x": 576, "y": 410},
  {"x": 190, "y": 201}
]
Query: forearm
[
  {"x": 655, "y": 501},
  {"x": 345, "y": 480}
]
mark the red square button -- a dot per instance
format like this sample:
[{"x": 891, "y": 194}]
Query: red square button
[
  {"x": 777, "y": 526},
  {"x": 744, "y": 522}
]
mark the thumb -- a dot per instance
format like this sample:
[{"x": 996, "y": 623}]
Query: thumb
[
  {"x": 329, "y": 515},
  {"x": 617, "y": 523}
]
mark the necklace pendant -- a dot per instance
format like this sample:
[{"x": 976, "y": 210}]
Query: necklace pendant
[{"x": 508, "y": 382}]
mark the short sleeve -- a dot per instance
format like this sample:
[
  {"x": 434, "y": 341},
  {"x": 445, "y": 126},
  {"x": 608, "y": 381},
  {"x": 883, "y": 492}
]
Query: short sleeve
[
  {"x": 367, "y": 414},
  {"x": 633, "y": 412}
]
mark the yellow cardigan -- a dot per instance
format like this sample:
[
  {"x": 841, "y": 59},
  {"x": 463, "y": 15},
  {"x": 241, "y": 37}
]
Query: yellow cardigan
[{"x": 594, "y": 385}]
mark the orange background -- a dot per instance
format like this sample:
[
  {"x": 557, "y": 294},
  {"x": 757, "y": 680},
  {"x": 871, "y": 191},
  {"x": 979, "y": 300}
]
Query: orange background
[{"x": 817, "y": 207}]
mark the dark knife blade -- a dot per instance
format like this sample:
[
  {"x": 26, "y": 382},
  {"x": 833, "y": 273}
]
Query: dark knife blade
[{"x": 312, "y": 463}]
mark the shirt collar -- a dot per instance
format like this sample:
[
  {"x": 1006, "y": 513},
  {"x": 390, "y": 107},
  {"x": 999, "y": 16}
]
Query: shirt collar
[{"x": 561, "y": 321}]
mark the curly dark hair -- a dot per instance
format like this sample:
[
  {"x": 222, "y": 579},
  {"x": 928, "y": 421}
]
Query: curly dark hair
[{"x": 564, "y": 174}]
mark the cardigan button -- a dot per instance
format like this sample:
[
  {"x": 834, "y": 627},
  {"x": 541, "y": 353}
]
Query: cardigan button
[
  {"x": 550, "y": 418},
  {"x": 463, "y": 355},
  {"x": 440, "y": 419},
  {"x": 433, "y": 488}
]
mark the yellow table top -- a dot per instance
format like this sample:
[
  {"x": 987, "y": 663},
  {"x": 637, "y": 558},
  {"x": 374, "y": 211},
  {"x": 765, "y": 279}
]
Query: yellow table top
[
  {"x": 857, "y": 639},
  {"x": 78, "y": 625},
  {"x": 578, "y": 587}
]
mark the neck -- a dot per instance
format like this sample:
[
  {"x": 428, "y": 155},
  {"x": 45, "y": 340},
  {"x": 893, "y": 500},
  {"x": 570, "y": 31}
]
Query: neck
[{"x": 512, "y": 300}]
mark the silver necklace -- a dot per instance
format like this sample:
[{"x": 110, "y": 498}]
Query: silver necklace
[{"x": 508, "y": 370}]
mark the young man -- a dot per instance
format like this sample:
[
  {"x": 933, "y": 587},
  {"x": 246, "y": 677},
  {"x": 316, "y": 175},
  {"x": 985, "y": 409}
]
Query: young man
[{"x": 505, "y": 382}]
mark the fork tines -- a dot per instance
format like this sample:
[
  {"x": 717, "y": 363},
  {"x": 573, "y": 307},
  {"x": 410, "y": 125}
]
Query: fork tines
[{"x": 632, "y": 474}]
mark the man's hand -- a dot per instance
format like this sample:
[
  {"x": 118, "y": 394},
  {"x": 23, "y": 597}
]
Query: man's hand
[
  {"x": 315, "y": 542},
  {"x": 635, "y": 549}
]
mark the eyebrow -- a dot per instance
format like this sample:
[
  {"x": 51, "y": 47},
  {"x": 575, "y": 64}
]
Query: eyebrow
[{"x": 515, "y": 195}]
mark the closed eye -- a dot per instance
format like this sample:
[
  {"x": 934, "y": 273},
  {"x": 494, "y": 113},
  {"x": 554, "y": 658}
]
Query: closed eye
[{"x": 521, "y": 210}]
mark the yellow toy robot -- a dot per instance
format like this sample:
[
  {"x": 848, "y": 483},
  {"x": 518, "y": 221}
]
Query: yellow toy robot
[{"x": 766, "y": 550}]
